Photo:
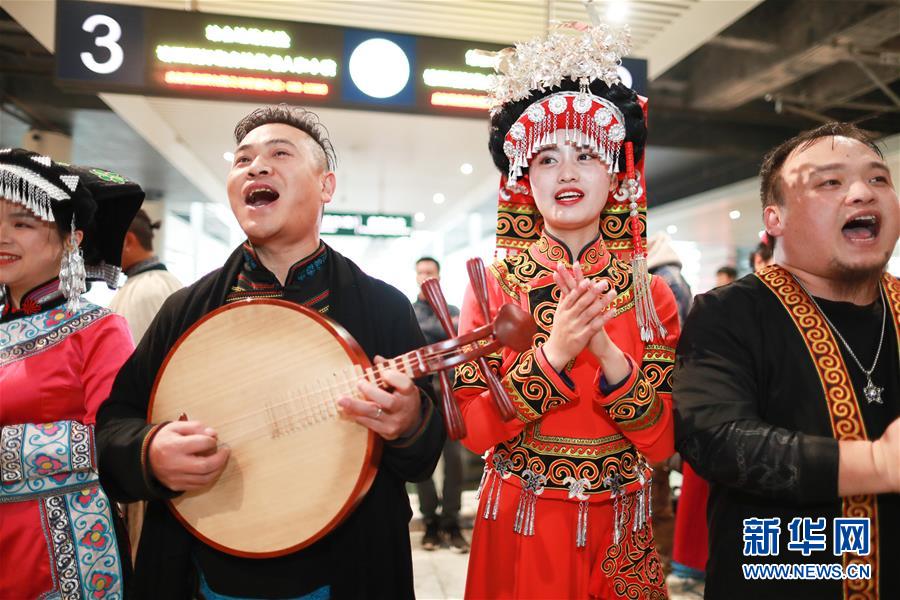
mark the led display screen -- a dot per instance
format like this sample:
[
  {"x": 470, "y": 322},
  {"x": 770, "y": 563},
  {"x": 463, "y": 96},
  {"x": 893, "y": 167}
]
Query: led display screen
[{"x": 148, "y": 51}]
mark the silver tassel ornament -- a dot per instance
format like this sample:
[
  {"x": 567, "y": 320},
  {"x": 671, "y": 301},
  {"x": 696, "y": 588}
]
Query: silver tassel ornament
[
  {"x": 533, "y": 486},
  {"x": 645, "y": 310},
  {"x": 72, "y": 277},
  {"x": 577, "y": 489},
  {"x": 484, "y": 474},
  {"x": 614, "y": 483},
  {"x": 501, "y": 470},
  {"x": 640, "y": 513}
]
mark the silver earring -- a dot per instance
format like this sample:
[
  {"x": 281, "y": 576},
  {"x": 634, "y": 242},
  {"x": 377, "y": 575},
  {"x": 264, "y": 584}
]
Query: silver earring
[{"x": 72, "y": 277}]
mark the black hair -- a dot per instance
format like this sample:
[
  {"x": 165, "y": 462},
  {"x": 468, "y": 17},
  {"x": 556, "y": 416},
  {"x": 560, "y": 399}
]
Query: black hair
[
  {"x": 727, "y": 270},
  {"x": 765, "y": 250},
  {"x": 623, "y": 97},
  {"x": 304, "y": 120},
  {"x": 142, "y": 228},
  {"x": 429, "y": 259},
  {"x": 770, "y": 171}
]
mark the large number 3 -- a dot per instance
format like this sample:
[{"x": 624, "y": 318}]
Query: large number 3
[{"x": 108, "y": 41}]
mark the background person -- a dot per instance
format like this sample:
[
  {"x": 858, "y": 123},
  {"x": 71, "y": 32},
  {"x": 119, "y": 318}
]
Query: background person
[
  {"x": 149, "y": 283},
  {"x": 447, "y": 523},
  {"x": 725, "y": 275}
]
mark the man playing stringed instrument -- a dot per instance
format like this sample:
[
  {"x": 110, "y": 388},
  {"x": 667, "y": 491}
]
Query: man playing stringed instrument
[
  {"x": 787, "y": 385},
  {"x": 280, "y": 180}
]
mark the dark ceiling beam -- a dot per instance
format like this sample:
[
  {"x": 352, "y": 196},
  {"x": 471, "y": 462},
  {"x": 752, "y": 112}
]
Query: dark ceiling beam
[
  {"x": 701, "y": 178},
  {"x": 849, "y": 105},
  {"x": 809, "y": 39},
  {"x": 742, "y": 43},
  {"x": 878, "y": 80},
  {"x": 725, "y": 135},
  {"x": 840, "y": 85}
]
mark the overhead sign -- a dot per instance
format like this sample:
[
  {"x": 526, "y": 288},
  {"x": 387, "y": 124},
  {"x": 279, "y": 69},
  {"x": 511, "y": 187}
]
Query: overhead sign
[
  {"x": 149, "y": 51},
  {"x": 373, "y": 225}
]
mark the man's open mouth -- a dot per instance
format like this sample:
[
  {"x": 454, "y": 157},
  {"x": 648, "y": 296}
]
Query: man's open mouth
[
  {"x": 861, "y": 228},
  {"x": 261, "y": 196}
]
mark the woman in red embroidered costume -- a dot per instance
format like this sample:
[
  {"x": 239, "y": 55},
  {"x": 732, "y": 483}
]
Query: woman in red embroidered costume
[
  {"x": 59, "y": 226},
  {"x": 564, "y": 501}
]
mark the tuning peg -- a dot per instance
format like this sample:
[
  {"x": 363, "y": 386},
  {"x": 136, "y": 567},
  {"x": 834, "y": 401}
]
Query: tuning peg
[
  {"x": 435, "y": 296},
  {"x": 475, "y": 267},
  {"x": 501, "y": 398},
  {"x": 456, "y": 427}
]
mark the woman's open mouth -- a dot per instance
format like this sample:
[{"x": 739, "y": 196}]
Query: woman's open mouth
[
  {"x": 8, "y": 259},
  {"x": 568, "y": 197}
]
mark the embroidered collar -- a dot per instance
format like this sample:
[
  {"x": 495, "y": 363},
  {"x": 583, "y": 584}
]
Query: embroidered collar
[
  {"x": 548, "y": 251},
  {"x": 148, "y": 264},
  {"x": 38, "y": 299},
  {"x": 302, "y": 270}
]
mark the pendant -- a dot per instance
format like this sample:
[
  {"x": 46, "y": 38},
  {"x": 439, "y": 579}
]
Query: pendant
[{"x": 872, "y": 392}]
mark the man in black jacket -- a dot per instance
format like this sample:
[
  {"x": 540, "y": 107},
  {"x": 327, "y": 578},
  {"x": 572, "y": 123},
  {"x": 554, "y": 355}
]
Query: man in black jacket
[
  {"x": 280, "y": 180},
  {"x": 787, "y": 386}
]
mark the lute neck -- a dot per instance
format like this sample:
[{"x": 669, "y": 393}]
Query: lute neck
[{"x": 412, "y": 364}]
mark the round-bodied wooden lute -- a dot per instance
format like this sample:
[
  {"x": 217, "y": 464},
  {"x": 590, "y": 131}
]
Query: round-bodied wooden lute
[{"x": 266, "y": 374}]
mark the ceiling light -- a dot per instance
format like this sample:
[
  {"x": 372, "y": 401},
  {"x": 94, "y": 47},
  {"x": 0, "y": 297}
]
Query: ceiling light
[
  {"x": 379, "y": 68},
  {"x": 419, "y": 217},
  {"x": 465, "y": 169},
  {"x": 228, "y": 156},
  {"x": 734, "y": 215},
  {"x": 617, "y": 11},
  {"x": 671, "y": 229},
  {"x": 438, "y": 198}
]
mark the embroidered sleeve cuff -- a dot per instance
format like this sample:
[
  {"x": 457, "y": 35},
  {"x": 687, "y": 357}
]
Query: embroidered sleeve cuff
[
  {"x": 634, "y": 404},
  {"x": 535, "y": 387},
  {"x": 37, "y": 450}
]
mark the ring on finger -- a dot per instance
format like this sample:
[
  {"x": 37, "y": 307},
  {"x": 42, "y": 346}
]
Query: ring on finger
[{"x": 378, "y": 413}]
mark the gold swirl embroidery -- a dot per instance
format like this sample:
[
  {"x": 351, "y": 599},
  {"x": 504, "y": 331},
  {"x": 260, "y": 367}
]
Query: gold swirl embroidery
[
  {"x": 529, "y": 389},
  {"x": 639, "y": 407},
  {"x": 615, "y": 227},
  {"x": 632, "y": 567},
  {"x": 594, "y": 466},
  {"x": 842, "y": 404},
  {"x": 843, "y": 408}
]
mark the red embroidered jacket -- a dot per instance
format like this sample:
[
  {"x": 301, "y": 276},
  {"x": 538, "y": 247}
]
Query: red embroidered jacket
[{"x": 563, "y": 431}]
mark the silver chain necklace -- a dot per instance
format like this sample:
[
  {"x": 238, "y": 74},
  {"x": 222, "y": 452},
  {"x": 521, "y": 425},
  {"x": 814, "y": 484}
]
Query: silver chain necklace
[{"x": 871, "y": 391}]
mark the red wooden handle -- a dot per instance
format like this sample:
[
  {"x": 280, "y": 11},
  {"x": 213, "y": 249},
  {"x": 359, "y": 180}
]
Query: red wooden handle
[
  {"x": 435, "y": 296},
  {"x": 456, "y": 428},
  {"x": 475, "y": 267},
  {"x": 501, "y": 398}
]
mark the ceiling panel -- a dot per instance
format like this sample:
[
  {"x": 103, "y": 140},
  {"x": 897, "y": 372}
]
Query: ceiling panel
[{"x": 496, "y": 21}]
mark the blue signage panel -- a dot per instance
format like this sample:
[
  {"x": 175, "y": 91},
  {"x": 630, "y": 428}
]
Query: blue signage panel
[
  {"x": 132, "y": 49},
  {"x": 379, "y": 68}
]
